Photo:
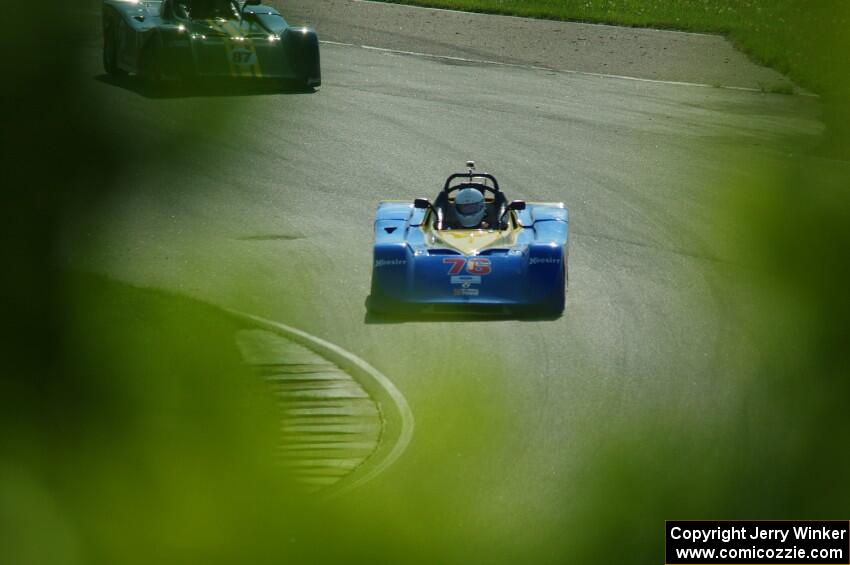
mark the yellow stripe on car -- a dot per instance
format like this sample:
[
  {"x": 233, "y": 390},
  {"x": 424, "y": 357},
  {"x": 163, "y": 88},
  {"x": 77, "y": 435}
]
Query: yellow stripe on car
[
  {"x": 234, "y": 40},
  {"x": 228, "y": 48}
]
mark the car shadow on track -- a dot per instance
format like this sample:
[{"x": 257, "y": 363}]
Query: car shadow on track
[
  {"x": 206, "y": 88},
  {"x": 451, "y": 316}
]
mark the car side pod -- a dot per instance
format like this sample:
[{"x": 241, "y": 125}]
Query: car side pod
[{"x": 302, "y": 52}]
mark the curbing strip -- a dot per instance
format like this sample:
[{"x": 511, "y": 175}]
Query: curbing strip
[{"x": 391, "y": 403}]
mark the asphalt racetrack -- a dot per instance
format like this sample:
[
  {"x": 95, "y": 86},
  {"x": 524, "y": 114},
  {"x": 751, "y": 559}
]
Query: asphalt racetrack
[{"x": 263, "y": 202}]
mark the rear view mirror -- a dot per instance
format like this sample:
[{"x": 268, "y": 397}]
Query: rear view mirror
[
  {"x": 517, "y": 205},
  {"x": 421, "y": 204}
]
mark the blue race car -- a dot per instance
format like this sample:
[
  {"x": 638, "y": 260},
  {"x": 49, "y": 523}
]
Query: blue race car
[{"x": 470, "y": 249}]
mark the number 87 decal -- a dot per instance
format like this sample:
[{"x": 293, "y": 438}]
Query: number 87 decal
[{"x": 474, "y": 266}]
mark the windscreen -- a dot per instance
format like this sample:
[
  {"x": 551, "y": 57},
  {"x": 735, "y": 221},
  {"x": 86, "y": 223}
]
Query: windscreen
[{"x": 207, "y": 9}]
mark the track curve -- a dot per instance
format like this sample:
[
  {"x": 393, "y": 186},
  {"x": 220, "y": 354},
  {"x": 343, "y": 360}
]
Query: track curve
[{"x": 264, "y": 203}]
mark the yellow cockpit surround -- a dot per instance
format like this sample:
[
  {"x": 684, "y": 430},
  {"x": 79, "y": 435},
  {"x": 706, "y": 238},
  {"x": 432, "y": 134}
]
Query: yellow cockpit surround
[{"x": 472, "y": 242}]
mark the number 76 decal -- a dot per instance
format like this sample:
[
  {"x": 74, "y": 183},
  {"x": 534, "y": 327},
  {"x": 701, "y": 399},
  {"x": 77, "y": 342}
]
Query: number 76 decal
[{"x": 474, "y": 266}]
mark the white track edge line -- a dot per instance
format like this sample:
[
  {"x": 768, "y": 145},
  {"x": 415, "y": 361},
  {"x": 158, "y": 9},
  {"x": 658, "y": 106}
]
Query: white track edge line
[
  {"x": 363, "y": 370},
  {"x": 564, "y": 71}
]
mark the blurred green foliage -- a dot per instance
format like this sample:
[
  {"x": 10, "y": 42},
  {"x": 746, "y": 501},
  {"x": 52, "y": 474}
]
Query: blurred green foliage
[{"x": 130, "y": 432}]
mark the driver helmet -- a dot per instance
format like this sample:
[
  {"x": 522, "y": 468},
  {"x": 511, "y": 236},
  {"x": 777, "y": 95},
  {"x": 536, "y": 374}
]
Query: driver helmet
[{"x": 469, "y": 206}]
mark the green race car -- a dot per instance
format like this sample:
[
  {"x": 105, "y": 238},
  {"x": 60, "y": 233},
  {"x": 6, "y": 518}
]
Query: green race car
[{"x": 192, "y": 39}]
